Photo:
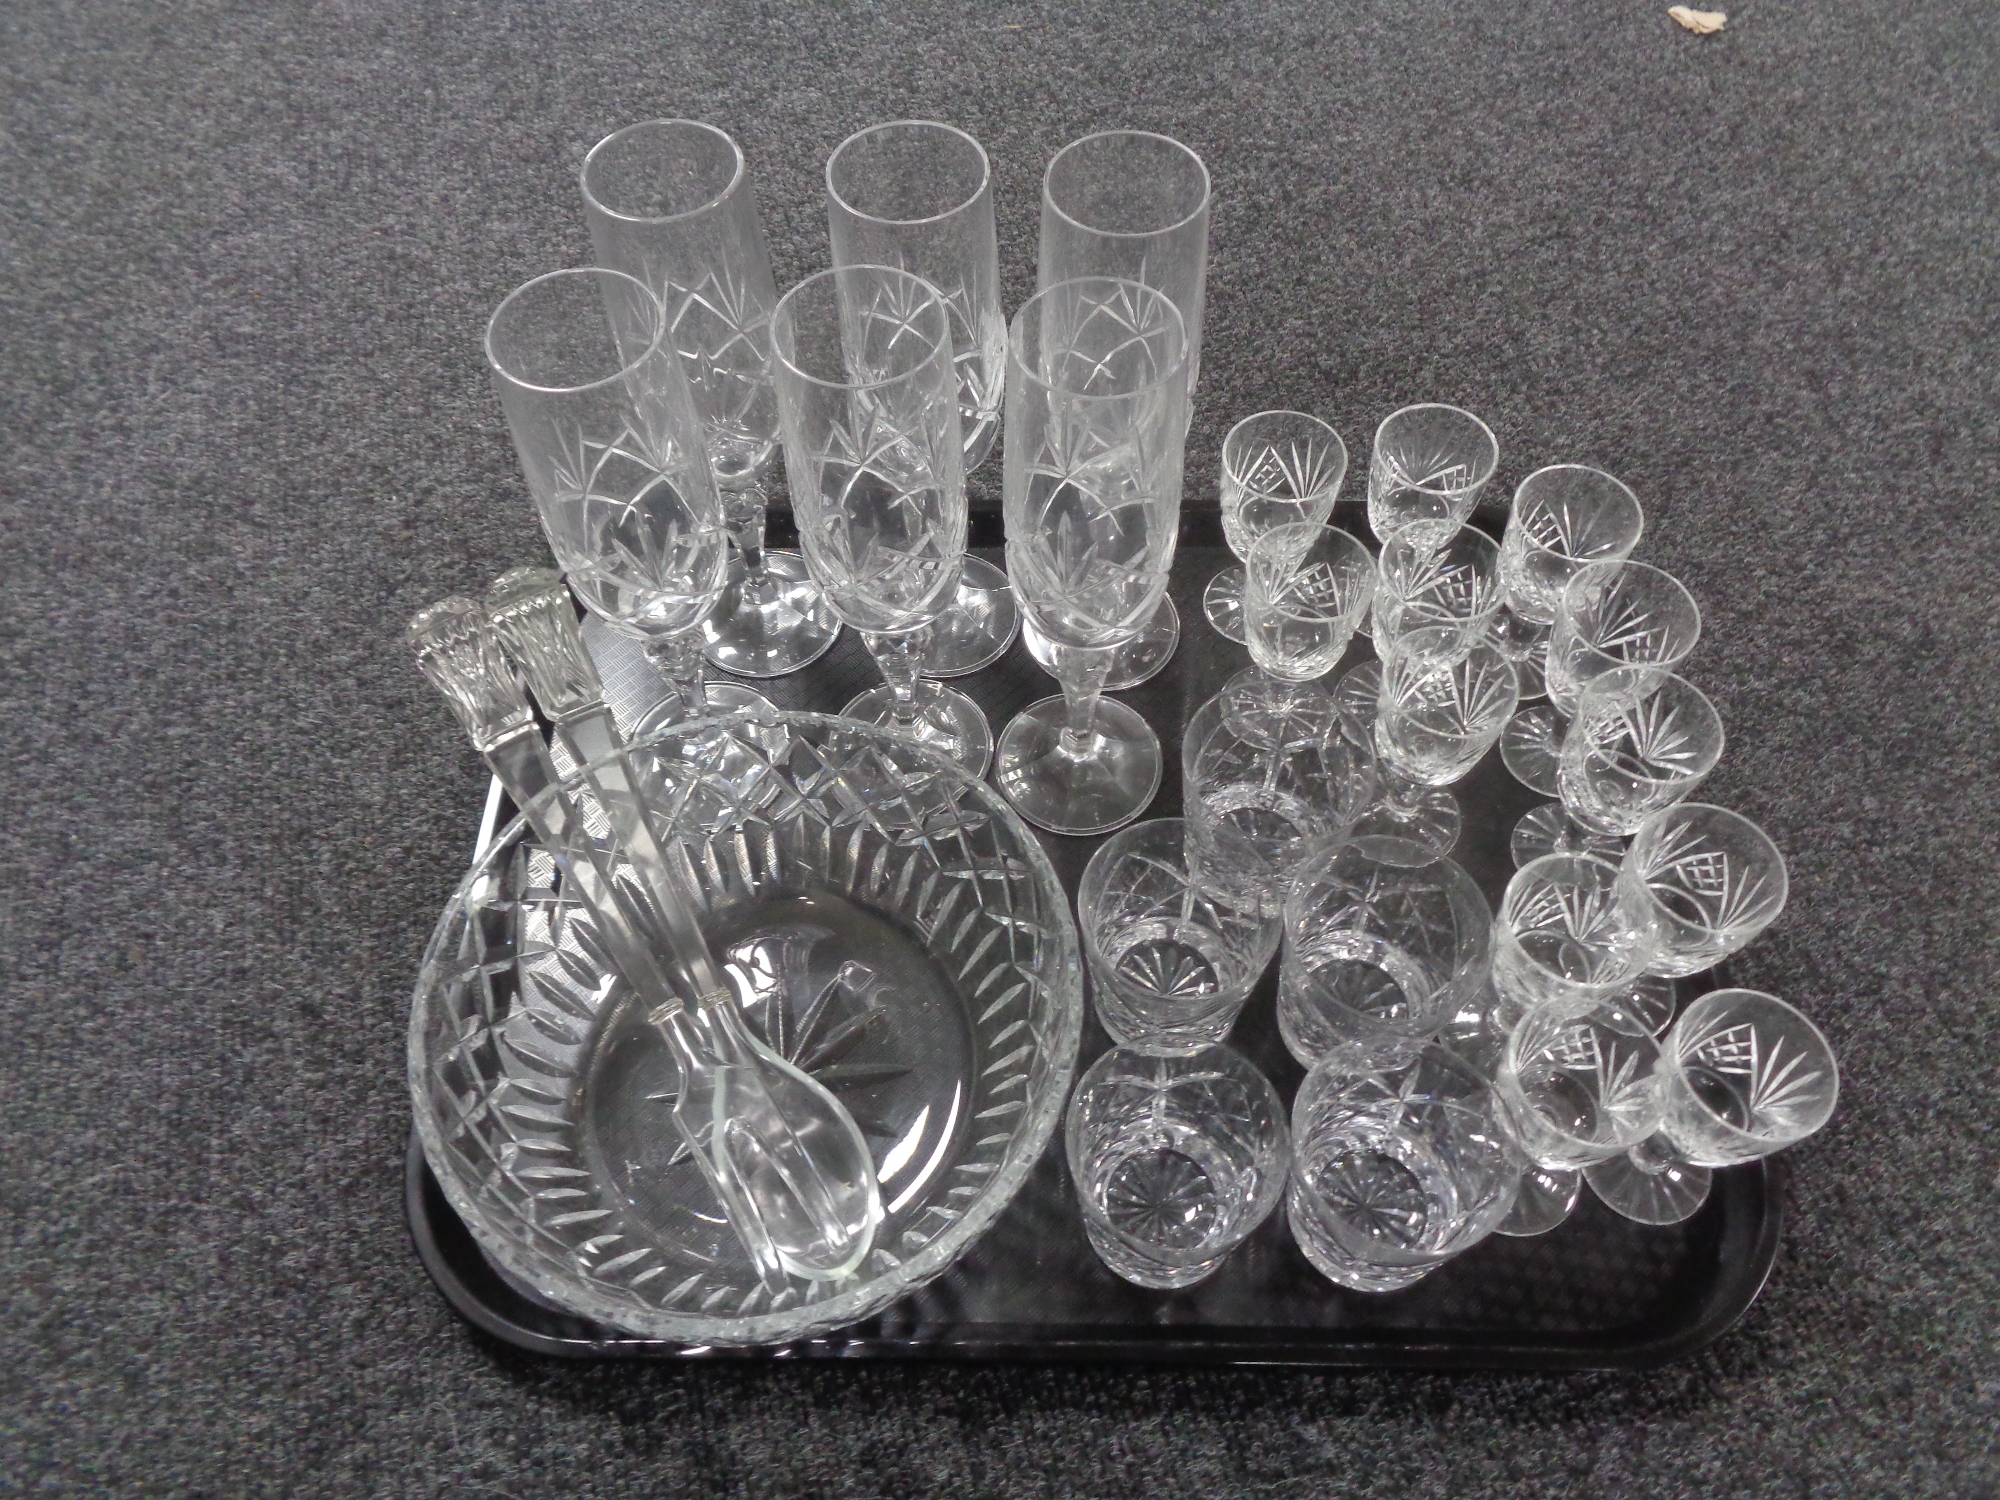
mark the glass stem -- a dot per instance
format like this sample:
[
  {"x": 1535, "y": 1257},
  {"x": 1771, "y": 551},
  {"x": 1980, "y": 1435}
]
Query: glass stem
[
  {"x": 1654, "y": 1155},
  {"x": 1400, "y": 792},
  {"x": 901, "y": 658},
  {"x": 678, "y": 659},
  {"x": 743, "y": 513},
  {"x": 1081, "y": 671}
]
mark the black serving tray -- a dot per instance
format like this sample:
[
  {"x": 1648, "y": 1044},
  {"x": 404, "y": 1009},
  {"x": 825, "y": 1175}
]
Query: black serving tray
[{"x": 1598, "y": 1292}]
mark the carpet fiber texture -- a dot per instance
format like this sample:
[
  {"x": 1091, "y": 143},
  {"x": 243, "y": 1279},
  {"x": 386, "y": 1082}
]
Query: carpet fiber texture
[{"x": 246, "y": 254}]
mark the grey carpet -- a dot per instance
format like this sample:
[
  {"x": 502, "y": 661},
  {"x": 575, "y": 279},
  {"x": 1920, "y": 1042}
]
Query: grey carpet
[{"x": 248, "y": 251}]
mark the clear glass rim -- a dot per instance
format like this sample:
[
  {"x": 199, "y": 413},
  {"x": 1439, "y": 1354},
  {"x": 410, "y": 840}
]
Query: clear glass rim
[
  {"x": 1091, "y": 885},
  {"x": 1228, "y": 438},
  {"x": 985, "y": 173},
  {"x": 1405, "y": 542},
  {"x": 1622, "y": 488},
  {"x": 1758, "y": 835},
  {"x": 1177, "y": 369},
  {"x": 1207, "y": 189},
  {"x": 1660, "y": 678},
  {"x": 1410, "y": 643},
  {"x": 723, "y": 195},
  {"x": 651, "y": 350},
  {"x": 782, "y": 318},
  {"x": 1492, "y": 443},
  {"x": 1291, "y": 532},
  {"x": 1670, "y": 1064},
  {"x": 1461, "y": 890},
  {"x": 1612, "y": 567}
]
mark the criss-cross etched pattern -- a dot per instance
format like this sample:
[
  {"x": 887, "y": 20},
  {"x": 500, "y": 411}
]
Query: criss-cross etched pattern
[
  {"x": 1317, "y": 590},
  {"x": 1692, "y": 877},
  {"x": 533, "y": 1077},
  {"x": 1291, "y": 469},
  {"x": 1774, "y": 1086},
  {"x": 1094, "y": 533},
  {"x": 635, "y": 526},
  {"x": 723, "y": 332}
]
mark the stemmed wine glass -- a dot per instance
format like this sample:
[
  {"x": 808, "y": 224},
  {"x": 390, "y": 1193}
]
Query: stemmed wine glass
[
  {"x": 1441, "y": 705},
  {"x": 1307, "y": 586},
  {"x": 1134, "y": 205},
  {"x": 1426, "y": 471},
  {"x": 1573, "y": 1090},
  {"x": 670, "y": 202},
  {"x": 1700, "y": 882},
  {"x": 1563, "y": 518},
  {"x": 616, "y": 459},
  {"x": 918, "y": 195},
  {"x": 1421, "y": 581},
  {"x": 1278, "y": 467},
  {"x": 1741, "y": 1075},
  {"x": 869, "y": 405},
  {"x": 1096, "y": 423}
]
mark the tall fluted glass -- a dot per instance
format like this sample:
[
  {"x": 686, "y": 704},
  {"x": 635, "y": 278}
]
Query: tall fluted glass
[
  {"x": 919, "y": 195},
  {"x": 869, "y": 402},
  {"x": 1096, "y": 422},
  {"x": 670, "y": 202},
  {"x": 1133, "y": 205},
  {"x": 615, "y": 458}
]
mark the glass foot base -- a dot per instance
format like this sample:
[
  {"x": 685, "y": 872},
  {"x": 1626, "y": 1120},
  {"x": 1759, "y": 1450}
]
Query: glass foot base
[
  {"x": 1644, "y": 1008},
  {"x": 1356, "y": 695},
  {"x": 1531, "y": 746},
  {"x": 1412, "y": 833},
  {"x": 1222, "y": 602},
  {"x": 1549, "y": 829},
  {"x": 1533, "y": 683},
  {"x": 771, "y": 625},
  {"x": 978, "y": 625},
  {"x": 1105, "y": 787},
  {"x": 1138, "y": 660},
  {"x": 1292, "y": 714},
  {"x": 947, "y": 722},
  {"x": 1664, "y": 1197},
  {"x": 1546, "y": 1199}
]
